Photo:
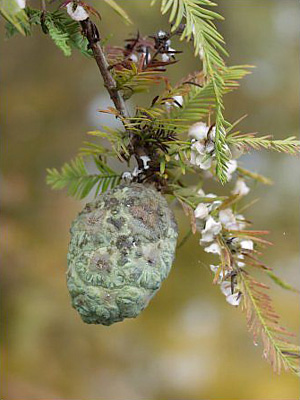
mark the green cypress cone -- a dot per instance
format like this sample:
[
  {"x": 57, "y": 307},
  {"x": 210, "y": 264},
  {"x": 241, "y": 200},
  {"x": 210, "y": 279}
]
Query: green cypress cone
[{"x": 122, "y": 248}]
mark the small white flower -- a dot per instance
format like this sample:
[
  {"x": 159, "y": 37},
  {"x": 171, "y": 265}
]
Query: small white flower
[
  {"x": 231, "y": 168},
  {"x": 226, "y": 288},
  {"x": 197, "y": 158},
  {"x": 227, "y": 218},
  {"x": 241, "y": 188},
  {"x": 201, "y": 211},
  {"x": 202, "y": 146},
  {"x": 79, "y": 14},
  {"x": 145, "y": 160},
  {"x": 165, "y": 57},
  {"x": 133, "y": 58},
  {"x": 247, "y": 244},
  {"x": 231, "y": 298},
  {"x": 212, "y": 228},
  {"x": 21, "y": 3},
  {"x": 161, "y": 34},
  {"x": 234, "y": 299},
  {"x": 198, "y": 147},
  {"x": 240, "y": 264},
  {"x": 201, "y": 193},
  {"x": 179, "y": 100},
  {"x": 214, "y": 248},
  {"x": 136, "y": 172},
  {"x": 127, "y": 176},
  {"x": 205, "y": 163},
  {"x": 199, "y": 131}
]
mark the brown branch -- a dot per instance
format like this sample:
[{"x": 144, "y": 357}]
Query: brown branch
[{"x": 91, "y": 33}]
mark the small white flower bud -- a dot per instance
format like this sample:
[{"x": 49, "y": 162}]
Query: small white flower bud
[
  {"x": 213, "y": 248},
  {"x": 145, "y": 160},
  {"x": 247, "y": 244},
  {"x": 21, "y": 3},
  {"x": 241, "y": 188},
  {"x": 201, "y": 211},
  {"x": 79, "y": 14},
  {"x": 199, "y": 131}
]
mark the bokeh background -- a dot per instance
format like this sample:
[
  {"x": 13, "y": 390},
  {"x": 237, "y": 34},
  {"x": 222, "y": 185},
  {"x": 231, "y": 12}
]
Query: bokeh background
[{"x": 189, "y": 343}]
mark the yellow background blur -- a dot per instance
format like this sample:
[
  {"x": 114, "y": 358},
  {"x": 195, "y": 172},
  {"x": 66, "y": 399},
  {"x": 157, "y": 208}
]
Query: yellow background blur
[{"x": 189, "y": 343}]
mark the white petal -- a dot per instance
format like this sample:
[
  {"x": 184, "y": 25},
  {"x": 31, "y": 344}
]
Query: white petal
[
  {"x": 133, "y": 58},
  {"x": 199, "y": 131},
  {"x": 234, "y": 299},
  {"x": 127, "y": 175},
  {"x": 201, "y": 211},
  {"x": 199, "y": 147},
  {"x": 231, "y": 167},
  {"x": 212, "y": 226},
  {"x": 206, "y": 238},
  {"x": 21, "y": 3},
  {"x": 227, "y": 218},
  {"x": 210, "y": 147},
  {"x": 213, "y": 248},
  {"x": 226, "y": 288},
  {"x": 165, "y": 57},
  {"x": 201, "y": 193},
  {"x": 247, "y": 244},
  {"x": 193, "y": 158},
  {"x": 179, "y": 100},
  {"x": 211, "y": 195},
  {"x": 241, "y": 188},
  {"x": 136, "y": 171},
  {"x": 162, "y": 34},
  {"x": 171, "y": 52},
  {"x": 79, "y": 14},
  {"x": 145, "y": 160},
  {"x": 212, "y": 133},
  {"x": 205, "y": 163}
]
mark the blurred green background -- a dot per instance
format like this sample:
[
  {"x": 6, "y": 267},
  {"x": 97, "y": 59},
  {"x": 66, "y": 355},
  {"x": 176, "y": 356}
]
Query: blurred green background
[{"x": 189, "y": 343}]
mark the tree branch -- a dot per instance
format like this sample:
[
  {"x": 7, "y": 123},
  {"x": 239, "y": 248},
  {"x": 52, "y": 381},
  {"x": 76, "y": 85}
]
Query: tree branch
[{"x": 91, "y": 33}]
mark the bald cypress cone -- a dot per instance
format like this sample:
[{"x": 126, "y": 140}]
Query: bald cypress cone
[{"x": 122, "y": 248}]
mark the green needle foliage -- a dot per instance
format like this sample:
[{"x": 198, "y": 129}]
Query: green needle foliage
[
  {"x": 75, "y": 177},
  {"x": 263, "y": 322},
  {"x": 199, "y": 25}
]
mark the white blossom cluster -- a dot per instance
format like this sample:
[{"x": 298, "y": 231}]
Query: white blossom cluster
[
  {"x": 211, "y": 222},
  {"x": 169, "y": 51},
  {"x": 129, "y": 176},
  {"x": 165, "y": 54},
  {"x": 203, "y": 148}
]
